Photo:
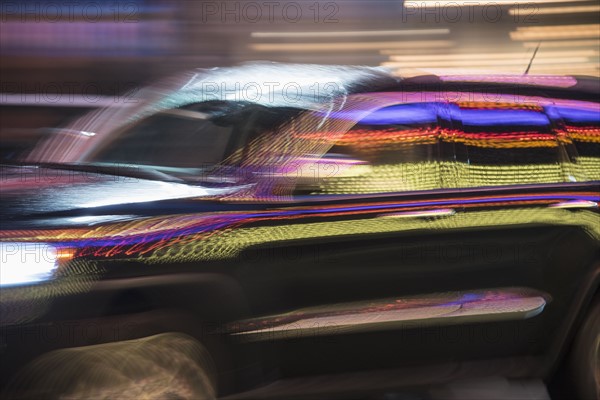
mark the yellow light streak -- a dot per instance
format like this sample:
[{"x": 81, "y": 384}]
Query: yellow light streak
[
  {"x": 333, "y": 34},
  {"x": 352, "y": 46},
  {"x": 553, "y": 10},
  {"x": 556, "y": 32}
]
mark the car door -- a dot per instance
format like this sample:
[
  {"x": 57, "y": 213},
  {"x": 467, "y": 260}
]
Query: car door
[{"x": 392, "y": 219}]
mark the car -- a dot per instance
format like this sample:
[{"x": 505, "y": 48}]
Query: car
[{"x": 301, "y": 231}]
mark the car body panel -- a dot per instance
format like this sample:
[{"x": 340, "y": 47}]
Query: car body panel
[{"x": 361, "y": 196}]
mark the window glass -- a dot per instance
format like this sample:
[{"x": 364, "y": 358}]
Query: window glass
[
  {"x": 392, "y": 149},
  {"x": 582, "y": 129},
  {"x": 169, "y": 140},
  {"x": 425, "y": 146},
  {"x": 197, "y": 135},
  {"x": 499, "y": 144}
]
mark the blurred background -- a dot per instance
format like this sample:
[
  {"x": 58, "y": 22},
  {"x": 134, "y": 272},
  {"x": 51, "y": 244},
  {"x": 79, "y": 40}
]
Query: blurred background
[{"x": 60, "y": 59}]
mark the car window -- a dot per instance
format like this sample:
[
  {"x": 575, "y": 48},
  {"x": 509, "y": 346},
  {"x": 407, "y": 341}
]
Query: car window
[
  {"x": 504, "y": 144},
  {"x": 425, "y": 146},
  {"x": 581, "y": 128},
  {"x": 395, "y": 148}
]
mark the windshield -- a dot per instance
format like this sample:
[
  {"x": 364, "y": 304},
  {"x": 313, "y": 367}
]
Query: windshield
[
  {"x": 169, "y": 140},
  {"x": 194, "y": 136}
]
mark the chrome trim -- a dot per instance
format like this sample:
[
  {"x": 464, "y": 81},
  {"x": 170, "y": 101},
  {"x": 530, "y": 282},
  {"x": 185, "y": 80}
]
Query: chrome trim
[{"x": 463, "y": 307}]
